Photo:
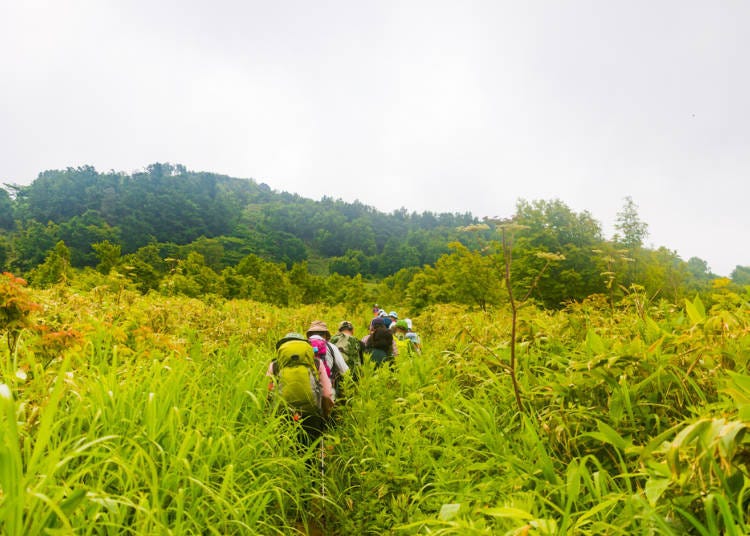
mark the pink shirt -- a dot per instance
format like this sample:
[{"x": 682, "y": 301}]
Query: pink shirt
[{"x": 325, "y": 381}]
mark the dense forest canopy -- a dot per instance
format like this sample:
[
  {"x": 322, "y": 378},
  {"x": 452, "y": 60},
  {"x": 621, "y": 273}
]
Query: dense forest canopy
[{"x": 177, "y": 231}]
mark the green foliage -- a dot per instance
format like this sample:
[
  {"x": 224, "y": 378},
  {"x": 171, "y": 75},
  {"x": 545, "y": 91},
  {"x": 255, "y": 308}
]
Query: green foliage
[
  {"x": 108, "y": 255},
  {"x": 628, "y": 223},
  {"x": 741, "y": 275},
  {"x": 31, "y": 244},
  {"x": 154, "y": 419},
  {"x": 553, "y": 227},
  {"x": 5, "y": 252},
  {"x": 7, "y": 223},
  {"x": 55, "y": 269},
  {"x": 168, "y": 212},
  {"x": 207, "y": 212}
]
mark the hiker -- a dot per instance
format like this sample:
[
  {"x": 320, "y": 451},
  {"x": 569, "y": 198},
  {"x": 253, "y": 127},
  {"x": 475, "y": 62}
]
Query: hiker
[
  {"x": 334, "y": 362},
  {"x": 413, "y": 336},
  {"x": 394, "y": 318},
  {"x": 385, "y": 317},
  {"x": 379, "y": 344},
  {"x": 301, "y": 383},
  {"x": 405, "y": 345},
  {"x": 351, "y": 348}
]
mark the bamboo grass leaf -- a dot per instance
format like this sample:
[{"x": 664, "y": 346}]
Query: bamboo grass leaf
[
  {"x": 594, "y": 343},
  {"x": 448, "y": 511},
  {"x": 609, "y": 435},
  {"x": 654, "y": 489},
  {"x": 695, "y": 310}
]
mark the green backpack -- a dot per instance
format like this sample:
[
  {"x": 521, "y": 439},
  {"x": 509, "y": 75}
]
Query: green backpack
[
  {"x": 296, "y": 374},
  {"x": 349, "y": 347},
  {"x": 405, "y": 347}
]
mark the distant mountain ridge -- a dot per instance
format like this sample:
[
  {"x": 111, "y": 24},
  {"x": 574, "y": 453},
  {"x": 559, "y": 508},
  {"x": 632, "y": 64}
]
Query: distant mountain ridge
[{"x": 168, "y": 204}]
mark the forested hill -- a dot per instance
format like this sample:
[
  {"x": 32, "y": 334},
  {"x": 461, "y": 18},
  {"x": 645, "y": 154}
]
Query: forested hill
[
  {"x": 229, "y": 217},
  {"x": 195, "y": 233}
]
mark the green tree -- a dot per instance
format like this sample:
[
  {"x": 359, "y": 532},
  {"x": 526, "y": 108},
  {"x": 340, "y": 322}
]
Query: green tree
[
  {"x": 6, "y": 211},
  {"x": 145, "y": 268},
  {"x": 632, "y": 230},
  {"x": 741, "y": 275},
  {"x": 31, "y": 244},
  {"x": 55, "y": 268},
  {"x": 469, "y": 277},
  {"x": 347, "y": 291},
  {"x": 80, "y": 232},
  {"x": 265, "y": 281},
  {"x": 664, "y": 274},
  {"x": 308, "y": 288},
  {"x": 352, "y": 263},
  {"x": 552, "y": 227},
  {"x": 193, "y": 278},
  {"x": 5, "y": 252},
  {"x": 108, "y": 254},
  {"x": 631, "y": 234}
]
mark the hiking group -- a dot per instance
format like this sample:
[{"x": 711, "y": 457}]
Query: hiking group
[{"x": 308, "y": 370}]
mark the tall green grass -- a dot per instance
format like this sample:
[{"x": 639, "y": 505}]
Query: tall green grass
[{"x": 157, "y": 421}]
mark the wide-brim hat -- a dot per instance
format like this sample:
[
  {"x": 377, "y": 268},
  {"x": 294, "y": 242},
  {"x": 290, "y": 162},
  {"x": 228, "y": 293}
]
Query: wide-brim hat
[{"x": 318, "y": 326}]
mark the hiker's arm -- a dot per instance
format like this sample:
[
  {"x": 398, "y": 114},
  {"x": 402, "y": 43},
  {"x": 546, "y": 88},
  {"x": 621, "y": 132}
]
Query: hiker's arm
[
  {"x": 327, "y": 406},
  {"x": 326, "y": 401},
  {"x": 325, "y": 381}
]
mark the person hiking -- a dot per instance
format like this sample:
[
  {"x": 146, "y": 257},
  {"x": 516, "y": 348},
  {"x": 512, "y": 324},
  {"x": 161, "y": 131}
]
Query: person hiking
[
  {"x": 301, "y": 384},
  {"x": 334, "y": 361},
  {"x": 386, "y": 318},
  {"x": 405, "y": 345},
  {"x": 379, "y": 344},
  {"x": 351, "y": 348},
  {"x": 413, "y": 335},
  {"x": 394, "y": 318}
]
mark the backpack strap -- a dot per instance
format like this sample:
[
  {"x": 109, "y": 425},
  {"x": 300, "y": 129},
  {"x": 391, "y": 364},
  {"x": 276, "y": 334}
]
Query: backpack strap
[{"x": 334, "y": 366}]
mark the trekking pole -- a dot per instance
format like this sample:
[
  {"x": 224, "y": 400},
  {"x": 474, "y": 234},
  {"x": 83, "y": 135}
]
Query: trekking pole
[{"x": 322, "y": 482}]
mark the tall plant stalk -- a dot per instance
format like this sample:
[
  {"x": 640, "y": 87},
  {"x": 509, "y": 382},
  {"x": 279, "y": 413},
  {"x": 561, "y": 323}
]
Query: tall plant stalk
[
  {"x": 507, "y": 229},
  {"x": 508, "y": 258}
]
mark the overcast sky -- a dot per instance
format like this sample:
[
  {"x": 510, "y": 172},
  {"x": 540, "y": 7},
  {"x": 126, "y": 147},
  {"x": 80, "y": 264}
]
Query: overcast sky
[{"x": 428, "y": 105}]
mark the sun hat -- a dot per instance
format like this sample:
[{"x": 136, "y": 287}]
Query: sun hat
[
  {"x": 318, "y": 326},
  {"x": 382, "y": 313},
  {"x": 377, "y": 321},
  {"x": 393, "y": 314},
  {"x": 346, "y": 325},
  {"x": 401, "y": 324}
]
